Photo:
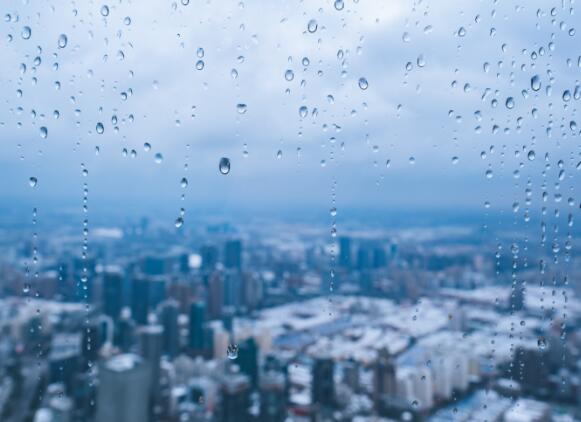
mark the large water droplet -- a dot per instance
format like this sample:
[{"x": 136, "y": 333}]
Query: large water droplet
[
  {"x": 104, "y": 10},
  {"x": 158, "y": 157},
  {"x": 62, "y": 41},
  {"x": 312, "y": 26},
  {"x": 535, "y": 83},
  {"x": 303, "y": 111},
  {"x": 184, "y": 182},
  {"x": 43, "y": 132},
  {"x": 26, "y": 32},
  {"x": 100, "y": 128},
  {"x": 531, "y": 155},
  {"x": 363, "y": 84},
  {"x": 289, "y": 75},
  {"x": 339, "y": 5},
  {"x": 509, "y": 103},
  {"x": 179, "y": 222},
  {"x": 224, "y": 165}
]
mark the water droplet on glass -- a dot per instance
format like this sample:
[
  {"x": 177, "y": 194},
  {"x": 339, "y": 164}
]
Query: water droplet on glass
[
  {"x": 363, "y": 84},
  {"x": 232, "y": 351},
  {"x": 32, "y": 181},
  {"x": 179, "y": 222},
  {"x": 100, "y": 128},
  {"x": 312, "y": 26},
  {"x": 200, "y": 64},
  {"x": 104, "y": 10},
  {"x": 509, "y": 103},
  {"x": 62, "y": 41},
  {"x": 535, "y": 83},
  {"x": 289, "y": 75},
  {"x": 184, "y": 182},
  {"x": 531, "y": 155},
  {"x": 146, "y": 146},
  {"x": 461, "y": 31},
  {"x": 542, "y": 343},
  {"x": 26, "y": 32},
  {"x": 241, "y": 108},
  {"x": 43, "y": 132},
  {"x": 303, "y": 111},
  {"x": 339, "y": 5},
  {"x": 158, "y": 158},
  {"x": 489, "y": 174},
  {"x": 224, "y": 165}
]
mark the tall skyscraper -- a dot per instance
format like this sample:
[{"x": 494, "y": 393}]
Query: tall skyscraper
[
  {"x": 215, "y": 295},
  {"x": 323, "y": 385},
  {"x": 140, "y": 300},
  {"x": 384, "y": 377},
  {"x": 209, "y": 255},
  {"x": 272, "y": 397},
  {"x": 345, "y": 252},
  {"x": 235, "y": 394},
  {"x": 232, "y": 289},
  {"x": 233, "y": 254},
  {"x": 112, "y": 293},
  {"x": 151, "y": 345},
  {"x": 196, "y": 327},
  {"x": 248, "y": 360},
  {"x": 168, "y": 315},
  {"x": 123, "y": 393}
]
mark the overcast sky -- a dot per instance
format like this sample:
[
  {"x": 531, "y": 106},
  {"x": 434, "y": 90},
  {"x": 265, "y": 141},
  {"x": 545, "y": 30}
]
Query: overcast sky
[{"x": 137, "y": 63}]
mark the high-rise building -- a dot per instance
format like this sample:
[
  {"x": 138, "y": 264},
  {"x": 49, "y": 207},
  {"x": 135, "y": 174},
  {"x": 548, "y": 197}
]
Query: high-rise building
[
  {"x": 112, "y": 293},
  {"x": 345, "y": 252},
  {"x": 196, "y": 327},
  {"x": 146, "y": 294},
  {"x": 215, "y": 295},
  {"x": 209, "y": 255},
  {"x": 169, "y": 313},
  {"x": 364, "y": 257},
  {"x": 233, "y": 254},
  {"x": 151, "y": 345},
  {"x": 323, "y": 385},
  {"x": 248, "y": 360},
  {"x": 384, "y": 377},
  {"x": 233, "y": 290},
  {"x": 235, "y": 393},
  {"x": 123, "y": 393},
  {"x": 273, "y": 397}
]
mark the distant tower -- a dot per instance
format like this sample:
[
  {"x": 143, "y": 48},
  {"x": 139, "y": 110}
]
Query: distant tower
[
  {"x": 272, "y": 397},
  {"x": 123, "y": 393},
  {"x": 323, "y": 385},
  {"x": 215, "y": 295},
  {"x": 169, "y": 313},
  {"x": 233, "y": 254},
  {"x": 248, "y": 360},
  {"x": 196, "y": 327},
  {"x": 235, "y": 398},
  {"x": 209, "y": 255},
  {"x": 384, "y": 377},
  {"x": 151, "y": 345},
  {"x": 345, "y": 252},
  {"x": 112, "y": 294}
]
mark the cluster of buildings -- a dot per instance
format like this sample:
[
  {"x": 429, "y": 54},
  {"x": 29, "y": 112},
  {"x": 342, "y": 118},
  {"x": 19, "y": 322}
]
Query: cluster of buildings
[{"x": 246, "y": 329}]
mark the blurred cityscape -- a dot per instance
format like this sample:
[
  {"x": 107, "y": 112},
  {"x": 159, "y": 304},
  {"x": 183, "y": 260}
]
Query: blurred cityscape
[{"x": 285, "y": 322}]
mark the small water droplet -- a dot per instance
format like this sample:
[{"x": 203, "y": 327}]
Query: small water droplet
[
  {"x": 241, "y": 108},
  {"x": 158, "y": 157},
  {"x": 509, "y": 103},
  {"x": 32, "y": 181},
  {"x": 303, "y": 111},
  {"x": 232, "y": 351},
  {"x": 531, "y": 155},
  {"x": 100, "y": 128},
  {"x": 43, "y": 132},
  {"x": 179, "y": 222},
  {"x": 542, "y": 343},
  {"x": 289, "y": 75},
  {"x": 339, "y": 5},
  {"x": 104, "y": 10},
  {"x": 363, "y": 84},
  {"x": 26, "y": 33},
  {"x": 62, "y": 41},
  {"x": 184, "y": 182},
  {"x": 461, "y": 31},
  {"x": 312, "y": 26},
  {"x": 224, "y": 165},
  {"x": 147, "y": 147}
]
